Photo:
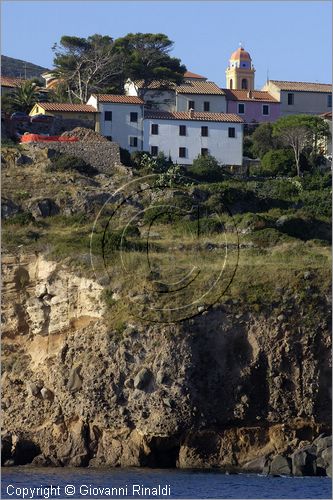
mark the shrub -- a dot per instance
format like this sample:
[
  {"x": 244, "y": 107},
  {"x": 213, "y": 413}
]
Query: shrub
[
  {"x": 205, "y": 225},
  {"x": 278, "y": 162},
  {"x": 107, "y": 297},
  {"x": 22, "y": 219},
  {"x": 125, "y": 157},
  {"x": 267, "y": 237},
  {"x": 64, "y": 163},
  {"x": 304, "y": 228},
  {"x": 207, "y": 169},
  {"x": 252, "y": 222}
]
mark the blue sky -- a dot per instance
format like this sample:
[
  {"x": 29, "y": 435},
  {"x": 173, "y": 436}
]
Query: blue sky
[{"x": 291, "y": 40}]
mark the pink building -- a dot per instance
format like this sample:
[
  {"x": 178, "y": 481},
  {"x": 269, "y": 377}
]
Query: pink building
[{"x": 254, "y": 106}]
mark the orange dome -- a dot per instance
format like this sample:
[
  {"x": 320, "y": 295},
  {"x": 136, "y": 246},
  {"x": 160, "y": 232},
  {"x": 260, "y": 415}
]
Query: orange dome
[{"x": 240, "y": 55}]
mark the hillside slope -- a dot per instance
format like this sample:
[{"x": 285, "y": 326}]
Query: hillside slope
[{"x": 19, "y": 68}]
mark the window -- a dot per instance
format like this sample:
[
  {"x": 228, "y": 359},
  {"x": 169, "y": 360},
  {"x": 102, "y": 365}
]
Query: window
[
  {"x": 182, "y": 152},
  {"x": 109, "y": 137},
  {"x": 154, "y": 150},
  {"x": 134, "y": 117},
  {"x": 265, "y": 109},
  {"x": 206, "y": 105},
  {"x": 241, "y": 108},
  {"x": 290, "y": 99},
  {"x": 231, "y": 83},
  {"x": 108, "y": 116},
  {"x": 231, "y": 132},
  {"x": 244, "y": 83},
  {"x": 133, "y": 142},
  {"x": 154, "y": 129},
  {"x": 190, "y": 104},
  {"x": 182, "y": 129},
  {"x": 204, "y": 151},
  {"x": 329, "y": 100},
  {"x": 204, "y": 131}
]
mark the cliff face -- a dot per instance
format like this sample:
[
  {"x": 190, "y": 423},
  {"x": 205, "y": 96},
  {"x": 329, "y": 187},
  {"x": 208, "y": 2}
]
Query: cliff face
[{"x": 219, "y": 390}]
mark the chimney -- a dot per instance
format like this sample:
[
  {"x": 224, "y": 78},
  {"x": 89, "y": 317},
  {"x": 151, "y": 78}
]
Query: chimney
[
  {"x": 249, "y": 94},
  {"x": 191, "y": 112}
]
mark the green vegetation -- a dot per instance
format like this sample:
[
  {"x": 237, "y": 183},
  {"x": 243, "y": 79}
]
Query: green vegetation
[
  {"x": 24, "y": 96},
  {"x": 100, "y": 64},
  {"x": 276, "y": 231},
  {"x": 63, "y": 162},
  {"x": 300, "y": 132},
  {"x": 206, "y": 169},
  {"x": 278, "y": 162}
]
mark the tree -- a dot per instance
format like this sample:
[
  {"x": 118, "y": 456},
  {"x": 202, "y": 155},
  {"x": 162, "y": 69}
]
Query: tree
[
  {"x": 86, "y": 65},
  {"x": 24, "y": 96},
  {"x": 300, "y": 132},
  {"x": 263, "y": 140},
  {"x": 206, "y": 168},
  {"x": 278, "y": 162},
  {"x": 145, "y": 56}
]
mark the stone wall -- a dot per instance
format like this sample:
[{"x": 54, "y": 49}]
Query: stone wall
[{"x": 104, "y": 156}]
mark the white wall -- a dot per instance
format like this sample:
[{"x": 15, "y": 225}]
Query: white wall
[
  {"x": 229, "y": 151},
  {"x": 313, "y": 103},
  {"x": 121, "y": 128},
  {"x": 218, "y": 103}
]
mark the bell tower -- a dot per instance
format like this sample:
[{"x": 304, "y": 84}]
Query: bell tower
[{"x": 240, "y": 72}]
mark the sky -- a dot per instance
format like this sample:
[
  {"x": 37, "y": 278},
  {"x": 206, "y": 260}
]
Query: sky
[{"x": 287, "y": 40}]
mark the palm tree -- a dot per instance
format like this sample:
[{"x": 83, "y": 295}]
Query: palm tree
[{"x": 25, "y": 95}]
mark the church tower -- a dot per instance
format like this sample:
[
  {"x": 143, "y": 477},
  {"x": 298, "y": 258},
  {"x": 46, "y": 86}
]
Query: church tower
[{"x": 240, "y": 72}]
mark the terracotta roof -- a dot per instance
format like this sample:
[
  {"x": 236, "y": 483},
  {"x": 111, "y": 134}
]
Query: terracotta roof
[
  {"x": 7, "y": 81},
  {"x": 240, "y": 54},
  {"x": 327, "y": 116},
  {"x": 208, "y": 88},
  {"x": 156, "y": 84},
  {"x": 121, "y": 99},
  {"x": 305, "y": 86},
  {"x": 189, "y": 74},
  {"x": 246, "y": 95},
  {"x": 67, "y": 107},
  {"x": 195, "y": 116}
]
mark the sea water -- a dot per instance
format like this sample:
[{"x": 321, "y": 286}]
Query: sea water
[{"x": 26, "y": 482}]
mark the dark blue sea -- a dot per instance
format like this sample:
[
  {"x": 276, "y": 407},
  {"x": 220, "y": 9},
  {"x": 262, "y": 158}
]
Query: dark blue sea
[{"x": 24, "y": 482}]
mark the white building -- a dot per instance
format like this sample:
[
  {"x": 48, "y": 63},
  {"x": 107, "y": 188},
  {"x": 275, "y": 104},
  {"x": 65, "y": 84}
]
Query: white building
[
  {"x": 201, "y": 96},
  {"x": 194, "y": 93},
  {"x": 185, "y": 135},
  {"x": 301, "y": 97},
  {"x": 120, "y": 119}
]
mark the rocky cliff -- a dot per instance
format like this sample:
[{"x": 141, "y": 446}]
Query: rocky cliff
[
  {"x": 246, "y": 384},
  {"x": 216, "y": 391}
]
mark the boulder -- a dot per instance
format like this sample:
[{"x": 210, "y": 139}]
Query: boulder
[
  {"x": 143, "y": 379},
  {"x": 303, "y": 463},
  {"x": 9, "y": 208},
  {"x": 47, "y": 394},
  {"x": 23, "y": 160},
  {"x": 327, "y": 455},
  {"x": 323, "y": 443},
  {"x": 34, "y": 390},
  {"x": 44, "y": 208},
  {"x": 74, "y": 383},
  {"x": 41, "y": 461},
  {"x": 280, "y": 465},
  {"x": 259, "y": 465}
]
